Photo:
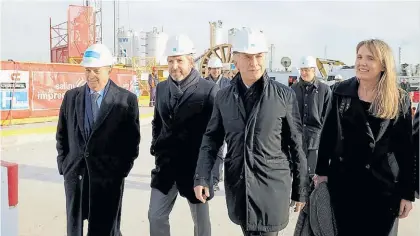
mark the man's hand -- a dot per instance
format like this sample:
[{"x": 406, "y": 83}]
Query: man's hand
[
  {"x": 202, "y": 193},
  {"x": 298, "y": 206},
  {"x": 405, "y": 208}
]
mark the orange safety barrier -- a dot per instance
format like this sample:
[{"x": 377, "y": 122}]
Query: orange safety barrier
[{"x": 33, "y": 90}]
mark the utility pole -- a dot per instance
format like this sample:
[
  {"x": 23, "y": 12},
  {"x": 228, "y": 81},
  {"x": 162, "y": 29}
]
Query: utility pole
[
  {"x": 116, "y": 26},
  {"x": 399, "y": 55}
]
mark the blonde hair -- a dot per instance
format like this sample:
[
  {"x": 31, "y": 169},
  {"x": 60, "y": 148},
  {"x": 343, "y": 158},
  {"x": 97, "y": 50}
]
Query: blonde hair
[{"x": 388, "y": 99}]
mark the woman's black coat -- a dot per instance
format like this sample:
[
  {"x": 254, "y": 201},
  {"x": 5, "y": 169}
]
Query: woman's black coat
[{"x": 368, "y": 174}]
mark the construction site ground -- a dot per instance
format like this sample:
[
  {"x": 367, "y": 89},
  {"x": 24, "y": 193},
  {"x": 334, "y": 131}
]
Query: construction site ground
[{"x": 41, "y": 190}]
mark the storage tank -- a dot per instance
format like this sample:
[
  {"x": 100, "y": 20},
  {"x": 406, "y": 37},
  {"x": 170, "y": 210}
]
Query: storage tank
[
  {"x": 231, "y": 33},
  {"x": 125, "y": 43},
  {"x": 129, "y": 45},
  {"x": 217, "y": 28},
  {"x": 136, "y": 45},
  {"x": 156, "y": 44}
]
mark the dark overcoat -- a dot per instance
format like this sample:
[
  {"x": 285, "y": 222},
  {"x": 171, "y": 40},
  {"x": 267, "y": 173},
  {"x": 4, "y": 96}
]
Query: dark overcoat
[
  {"x": 368, "y": 172},
  {"x": 416, "y": 147},
  {"x": 94, "y": 166},
  {"x": 258, "y": 176},
  {"x": 177, "y": 133}
]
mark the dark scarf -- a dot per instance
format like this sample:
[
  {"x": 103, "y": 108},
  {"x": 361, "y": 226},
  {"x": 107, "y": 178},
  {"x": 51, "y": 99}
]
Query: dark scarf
[
  {"x": 250, "y": 95},
  {"x": 177, "y": 89}
]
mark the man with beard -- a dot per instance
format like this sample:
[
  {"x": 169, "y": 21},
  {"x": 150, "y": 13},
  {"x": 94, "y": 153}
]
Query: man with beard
[
  {"x": 183, "y": 107},
  {"x": 98, "y": 136}
]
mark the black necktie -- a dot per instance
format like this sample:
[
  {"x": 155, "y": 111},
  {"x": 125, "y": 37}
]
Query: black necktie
[{"x": 95, "y": 107}]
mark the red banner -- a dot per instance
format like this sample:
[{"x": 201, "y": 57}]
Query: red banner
[
  {"x": 125, "y": 81},
  {"x": 49, "y": 88}
]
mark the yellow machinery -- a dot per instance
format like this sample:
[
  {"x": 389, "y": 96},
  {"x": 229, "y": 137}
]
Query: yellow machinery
[
  {"x": 321, "y": 62},
  {"x": 75, "y": 60},
  {"x": 222, "y": 51}
]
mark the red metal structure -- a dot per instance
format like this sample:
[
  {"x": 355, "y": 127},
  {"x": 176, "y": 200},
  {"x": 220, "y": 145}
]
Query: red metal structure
[{"x": 69, "y": 40}]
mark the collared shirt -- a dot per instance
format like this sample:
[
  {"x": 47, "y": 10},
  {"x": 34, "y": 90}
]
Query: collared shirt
[{"x": 101, "y": 94}]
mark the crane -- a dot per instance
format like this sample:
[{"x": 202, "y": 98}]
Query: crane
[{"x": 320, "y": 62}]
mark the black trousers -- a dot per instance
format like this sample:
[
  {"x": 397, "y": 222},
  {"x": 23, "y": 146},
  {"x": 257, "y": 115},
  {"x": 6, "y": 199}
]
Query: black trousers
[
  {"x": 258, "y": 233},
  {"x": 312, "y": 157}
]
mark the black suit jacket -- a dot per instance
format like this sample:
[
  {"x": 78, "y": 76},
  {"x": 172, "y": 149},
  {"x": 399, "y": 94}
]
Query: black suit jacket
[
  {"x": 113, "y": 144},
  {"x": 313, "y": 105}
]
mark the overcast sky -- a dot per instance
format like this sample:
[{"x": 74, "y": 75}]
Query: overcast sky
[{"x": 296, "y": 28}]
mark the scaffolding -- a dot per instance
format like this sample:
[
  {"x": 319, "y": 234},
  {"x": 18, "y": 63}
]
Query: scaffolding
[
  {"x": 97, "y": 8},
  {"x": 70, "y": 39}
]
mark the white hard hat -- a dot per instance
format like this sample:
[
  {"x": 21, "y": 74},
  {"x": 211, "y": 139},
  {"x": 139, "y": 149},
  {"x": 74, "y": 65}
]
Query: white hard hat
[
  {"x": 215, "y": 62},
  {"x": 338, "y": 77},
  {"x": 249, "y": 41},
  {"x": 179, "y": 45},
  {"x": 308, "y": 62},
  {"x": 97, "y": 55}
]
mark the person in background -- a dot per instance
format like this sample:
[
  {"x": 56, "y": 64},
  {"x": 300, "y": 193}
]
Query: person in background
[
  {"x": 366, "y": 148},
  {"x": 153, "y": 82},
  {"x": 184, "y": 103},
  {"x": 313, "y": 98},
  {"x": 98, "y": 136},
  {"x": 405, "y": 85},
  {"x": 259, "y": 120},
  {"x": 215, "y": 75}
]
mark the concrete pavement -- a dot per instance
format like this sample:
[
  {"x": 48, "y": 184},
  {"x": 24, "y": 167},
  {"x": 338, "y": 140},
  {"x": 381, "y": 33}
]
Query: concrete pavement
[{"x": 42, "y": 201}]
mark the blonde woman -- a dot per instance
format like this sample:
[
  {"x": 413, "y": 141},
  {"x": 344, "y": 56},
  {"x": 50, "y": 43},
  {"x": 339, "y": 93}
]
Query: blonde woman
[{"x": 365, "y": 151}]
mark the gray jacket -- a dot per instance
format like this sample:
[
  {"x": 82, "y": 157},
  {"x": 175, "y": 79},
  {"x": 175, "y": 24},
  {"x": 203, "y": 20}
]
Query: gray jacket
[
  {"x": 223, "y": 82},
  {"x": 317, "y": 217}
]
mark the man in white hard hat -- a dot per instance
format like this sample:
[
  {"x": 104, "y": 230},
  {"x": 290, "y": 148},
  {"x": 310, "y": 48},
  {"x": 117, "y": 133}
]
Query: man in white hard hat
[
  {"x": 215, "y": 75},
  {"x": 259, "y": 119},
  {"x": 183, "y": 107},
  {"x": 98, "y": 136},
  {"x": 313, "y": 98}
]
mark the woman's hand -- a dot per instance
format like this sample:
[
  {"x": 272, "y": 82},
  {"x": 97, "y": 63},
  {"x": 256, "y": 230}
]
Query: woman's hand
[
  {"x": 319, "y": 179},
  {"x": 405, "y": 208}
]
